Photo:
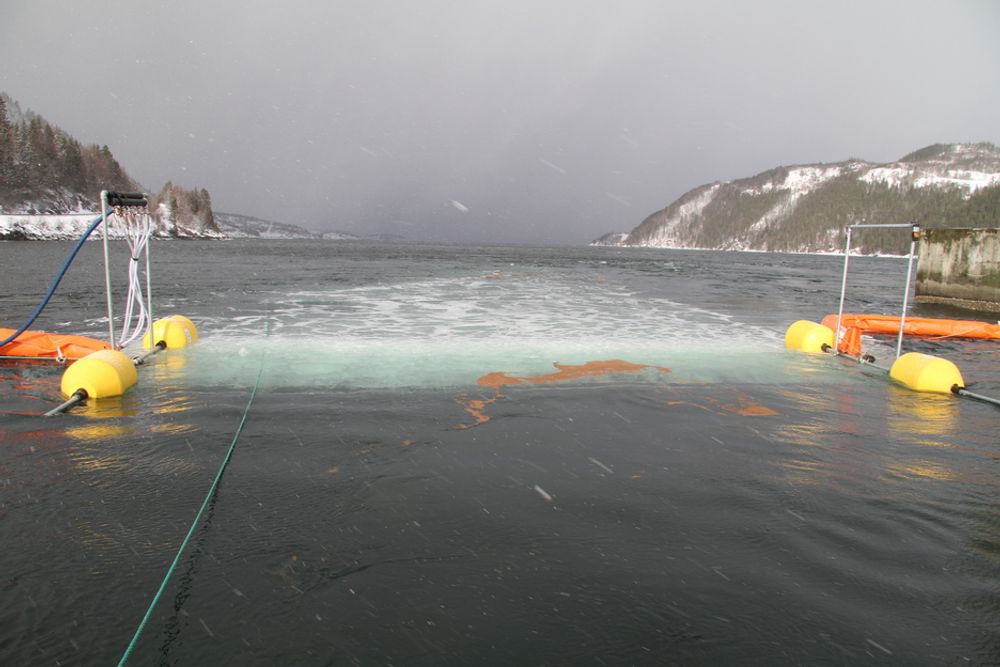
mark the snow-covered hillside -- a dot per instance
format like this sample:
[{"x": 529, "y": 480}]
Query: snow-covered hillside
[
  {"x": 806, "y": 208},
  {"x": 71, "y": 226},
  {"x": 44, "y": 227},
  {"x": 235, "y": 226},
  {"x": 969, "y": 167}
]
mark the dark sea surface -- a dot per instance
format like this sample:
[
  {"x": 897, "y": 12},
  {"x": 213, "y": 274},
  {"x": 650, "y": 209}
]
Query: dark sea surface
[{"x": 386, "y": 506}]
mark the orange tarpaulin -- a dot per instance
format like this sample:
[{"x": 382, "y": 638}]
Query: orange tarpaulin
[
  {"x": 854, "y": 325},
  {"x": 50, "y": 345}
]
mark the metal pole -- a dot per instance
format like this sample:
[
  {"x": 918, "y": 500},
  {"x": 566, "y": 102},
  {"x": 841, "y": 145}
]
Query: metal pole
[
  {"x": 139, "y": 360},
  {"x": 107, "y": 268},
  {"x": 979, "y": 397},
  {"x": 79, "y": 396},
  {"x": 892, "y": 226},
  {"x": 843, "y": 292},
  {"x": 149, "y": 283},
  {"x": 868, "y": 360},
  {"x": 906, "y": 290}
]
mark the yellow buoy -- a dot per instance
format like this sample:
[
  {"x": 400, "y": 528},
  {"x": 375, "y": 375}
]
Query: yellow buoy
[
  {"x": 806, "y": 336},
  {"x": 101, "y": 374},
  {"x": 175, "y": 331},
  {"x": 924, "y": 372}
]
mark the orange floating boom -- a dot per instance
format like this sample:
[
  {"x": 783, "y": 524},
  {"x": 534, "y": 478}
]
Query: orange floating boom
[
  {"x": 39, "y": 344},
  {"x": 916, "y": 326},
  {"x": 850, "y": 342}
]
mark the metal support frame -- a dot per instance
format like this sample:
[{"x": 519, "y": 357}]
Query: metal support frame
[
  {"x": 114, "y": 200},
  {"x": 149, "y": 297},
  {"x": 107, "y": 268},
  {"x": 906, "y": 290}
]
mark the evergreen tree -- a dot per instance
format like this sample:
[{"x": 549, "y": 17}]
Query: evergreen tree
[
  {"x": 194, "y": 202},
  {"x": 6, "y": 147},
  {"x": 209, "y": 216},
  {"x": 173, "y": 212},
  {"x": 45, "y": 171},
  {"x": 25, "y": 156},
  {"x": 72, "y": 171},
  {"x": 982, "y": 210}
]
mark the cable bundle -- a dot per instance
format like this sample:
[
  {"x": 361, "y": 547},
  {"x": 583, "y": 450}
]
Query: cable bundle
[{"x": 138, "y": 227}]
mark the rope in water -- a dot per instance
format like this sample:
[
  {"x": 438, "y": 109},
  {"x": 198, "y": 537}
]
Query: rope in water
[{"x": 194, "y": 524}]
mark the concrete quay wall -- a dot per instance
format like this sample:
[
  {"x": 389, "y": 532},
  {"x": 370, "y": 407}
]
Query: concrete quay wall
[{"x": 960, "y": 267}]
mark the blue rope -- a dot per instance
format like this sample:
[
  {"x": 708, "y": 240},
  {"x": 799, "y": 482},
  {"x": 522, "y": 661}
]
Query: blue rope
[
  {"x": 59, "y": 277},
  {"x": 194, "y": 525}
]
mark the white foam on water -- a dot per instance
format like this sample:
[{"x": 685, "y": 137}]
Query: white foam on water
[
  {"x": 484, "y": 308},
  {"x": 449, "y": 332}
]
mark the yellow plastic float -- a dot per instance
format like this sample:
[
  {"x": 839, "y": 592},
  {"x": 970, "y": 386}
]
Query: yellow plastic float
[
  {"x": 108, "y": 373},
  {"x": 806, "y": 336},
  {"x": 100, "y": 374},
  {"x": 919, "y": 372},
  {"x": 925, "y": 372},
  {"x": 174, "y": 331}
]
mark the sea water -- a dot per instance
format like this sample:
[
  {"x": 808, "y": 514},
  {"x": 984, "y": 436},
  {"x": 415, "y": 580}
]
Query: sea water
[{"x": 495, "y": 455}]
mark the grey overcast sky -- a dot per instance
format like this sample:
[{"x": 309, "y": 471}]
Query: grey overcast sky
[{"x": 478, "y": 120}]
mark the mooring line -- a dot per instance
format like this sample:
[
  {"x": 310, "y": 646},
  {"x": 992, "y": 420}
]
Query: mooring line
[{"x": 194, "y": 524}]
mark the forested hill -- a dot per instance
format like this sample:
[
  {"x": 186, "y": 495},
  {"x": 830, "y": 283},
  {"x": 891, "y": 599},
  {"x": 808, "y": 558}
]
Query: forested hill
[
  {"x": 807, "y": 208},
  {"x": 44, "y": 170}
]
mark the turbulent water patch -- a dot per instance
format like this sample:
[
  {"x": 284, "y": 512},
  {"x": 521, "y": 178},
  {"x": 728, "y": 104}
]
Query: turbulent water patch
[{"x": 449, "y": 332}]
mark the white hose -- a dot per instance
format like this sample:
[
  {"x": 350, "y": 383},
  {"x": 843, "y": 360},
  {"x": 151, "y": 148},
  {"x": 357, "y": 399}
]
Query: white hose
[{"x": 138, "y": 229}]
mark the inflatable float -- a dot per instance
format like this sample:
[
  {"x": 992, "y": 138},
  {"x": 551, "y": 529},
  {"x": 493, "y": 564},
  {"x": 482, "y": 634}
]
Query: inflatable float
[
  {"x": 854, "y": 325},
  {"x": 43, "y": 345}
]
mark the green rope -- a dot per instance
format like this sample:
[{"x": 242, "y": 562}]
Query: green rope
[{"x": 197, "y": 520}]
